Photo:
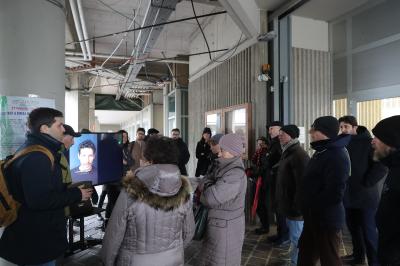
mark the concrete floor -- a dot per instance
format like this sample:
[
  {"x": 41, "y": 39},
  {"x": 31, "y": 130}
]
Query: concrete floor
[{"x": 256, "y": 250}]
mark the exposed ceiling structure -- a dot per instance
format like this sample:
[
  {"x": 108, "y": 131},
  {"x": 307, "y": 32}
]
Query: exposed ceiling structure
[{"x": 127, "y": 57}]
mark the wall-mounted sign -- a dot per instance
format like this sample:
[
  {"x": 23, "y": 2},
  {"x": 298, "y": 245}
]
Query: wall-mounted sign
[{"x": 14, "y": 112}]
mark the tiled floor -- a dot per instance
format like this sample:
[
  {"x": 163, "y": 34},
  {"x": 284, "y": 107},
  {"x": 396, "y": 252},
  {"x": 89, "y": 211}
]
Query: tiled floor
[{"x": 256, "y": 250}]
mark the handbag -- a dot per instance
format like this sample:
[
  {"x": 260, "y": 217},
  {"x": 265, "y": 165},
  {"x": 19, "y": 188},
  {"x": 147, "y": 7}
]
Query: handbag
[{"x": 200, "y": 218}]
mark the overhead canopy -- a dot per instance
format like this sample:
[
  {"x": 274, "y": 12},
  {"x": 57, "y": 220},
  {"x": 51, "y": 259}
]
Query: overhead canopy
[{"x": 108, "y": 102}]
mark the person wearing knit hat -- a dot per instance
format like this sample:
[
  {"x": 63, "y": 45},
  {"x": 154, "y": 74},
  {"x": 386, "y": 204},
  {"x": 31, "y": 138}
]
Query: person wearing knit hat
[
  {"x": 292, "y": 130},
  {"x": 288, "y": 189},
  {"x": 327, "y": 125},
  {"x": 232, "y": 143},
  {"x": 386, "y": 144},
  {"x": 203, "y": 153},
  {"x": 323, "y": 186},
  {"x": 224, "y": 196},
  {"x": 388, "y": 131}
]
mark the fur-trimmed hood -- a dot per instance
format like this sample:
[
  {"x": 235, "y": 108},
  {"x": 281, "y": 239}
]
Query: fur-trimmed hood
[{"x": 159, "y": 185}]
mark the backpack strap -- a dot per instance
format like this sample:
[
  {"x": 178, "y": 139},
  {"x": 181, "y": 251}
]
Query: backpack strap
[{"x": 29, "y": 149}]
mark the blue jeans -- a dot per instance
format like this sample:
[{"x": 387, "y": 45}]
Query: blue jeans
[
  {"x": 295, "y": 229},
  {"x": 50, "y": 263}
]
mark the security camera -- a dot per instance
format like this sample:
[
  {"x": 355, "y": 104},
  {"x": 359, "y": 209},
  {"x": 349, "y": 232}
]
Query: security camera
[{"x": 269, "y": 36}]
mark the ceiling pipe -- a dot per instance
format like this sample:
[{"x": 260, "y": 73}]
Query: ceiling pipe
[
  {"x": 78, "y": 28},
  {"x": 84, "y": 30}
]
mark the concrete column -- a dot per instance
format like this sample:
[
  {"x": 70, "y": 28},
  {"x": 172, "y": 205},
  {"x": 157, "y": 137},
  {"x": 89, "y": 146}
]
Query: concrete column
[
  {"x": 32, "y": 44},
  {"x": 79, "y": 107},
  {"x": 165, "y": 96}
]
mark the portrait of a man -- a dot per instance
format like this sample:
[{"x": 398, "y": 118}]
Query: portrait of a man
[{"x": 86, "y": 171}]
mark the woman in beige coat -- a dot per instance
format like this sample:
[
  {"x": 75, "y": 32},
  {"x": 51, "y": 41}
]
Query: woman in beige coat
[{"x": 152, "y": 220}]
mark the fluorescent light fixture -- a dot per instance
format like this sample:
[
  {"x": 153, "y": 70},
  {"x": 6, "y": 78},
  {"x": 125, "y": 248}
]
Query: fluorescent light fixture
[{"x": 33, "y": 95}]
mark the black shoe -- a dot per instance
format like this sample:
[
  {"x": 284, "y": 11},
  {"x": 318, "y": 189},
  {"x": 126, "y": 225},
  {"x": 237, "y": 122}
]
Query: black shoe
[
  {"x": 261, "y": 231},
  {"x": 357, "y": 262},
  {"x": 273, "y": 238}
]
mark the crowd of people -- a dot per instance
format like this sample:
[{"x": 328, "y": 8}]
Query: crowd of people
[{"x": 150, "y": 218}]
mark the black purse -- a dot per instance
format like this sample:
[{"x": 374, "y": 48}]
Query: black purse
[{"x": 200, "y": 218}]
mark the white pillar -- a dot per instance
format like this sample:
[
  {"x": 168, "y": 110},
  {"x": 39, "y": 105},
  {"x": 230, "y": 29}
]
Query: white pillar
[{"x": 32, "y": 46}]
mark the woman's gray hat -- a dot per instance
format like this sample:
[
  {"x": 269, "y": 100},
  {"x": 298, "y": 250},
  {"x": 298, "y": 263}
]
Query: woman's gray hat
[{"x": 233, "y": 143}]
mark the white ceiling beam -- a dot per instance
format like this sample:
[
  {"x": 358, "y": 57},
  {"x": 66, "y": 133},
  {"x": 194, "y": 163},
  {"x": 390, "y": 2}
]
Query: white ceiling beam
[{"x": 245, "y": 14}]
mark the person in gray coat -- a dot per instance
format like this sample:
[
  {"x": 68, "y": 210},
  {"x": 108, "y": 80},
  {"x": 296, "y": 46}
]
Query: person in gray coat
[
  {"x": 224, "y": 195},
  {"x": 152, "y": 220}
]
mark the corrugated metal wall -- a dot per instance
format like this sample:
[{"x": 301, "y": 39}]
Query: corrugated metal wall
[
  {"x": 230, "y": 83},
  {"x": 369, "y": 113},
  {"x": 312, "y": 89},
  {"x": 340, "y": 108}
]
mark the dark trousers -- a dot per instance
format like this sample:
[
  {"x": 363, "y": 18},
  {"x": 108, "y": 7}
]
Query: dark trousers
[
  {"x": 364, "y": 234},
  {"x": 112, "y": 193},
  {"x": 318, "y": 243},
  {"x": 281, "y": 227},
  {"x": 262, "y": 209}
]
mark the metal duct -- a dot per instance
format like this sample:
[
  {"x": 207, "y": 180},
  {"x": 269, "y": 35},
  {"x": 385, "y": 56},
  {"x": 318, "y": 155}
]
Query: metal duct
[{"x": 158, "y": 11}]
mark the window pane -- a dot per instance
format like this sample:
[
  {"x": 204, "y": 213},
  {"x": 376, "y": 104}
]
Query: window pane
[
  {"x": 171, "y": 105},
  {"x": 213, "y": 121}
]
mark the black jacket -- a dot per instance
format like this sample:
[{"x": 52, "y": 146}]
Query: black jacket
[
  {"x": 39, "y": 234},
  {"x": 184, "y": 155},
  {"x": 362, "y": 190},
  {"x": 270, "y": 164},
  {"x": 203, "y": 152},
  {"x": 289, "y": 180},
  {"x": 325, "y": 181},
  {"x": 388, "y": 215}
]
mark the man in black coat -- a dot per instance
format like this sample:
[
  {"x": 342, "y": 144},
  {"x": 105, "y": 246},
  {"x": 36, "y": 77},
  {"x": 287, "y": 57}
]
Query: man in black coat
[
  {"x": 288, "y": 184},
  {"x": 39, "y": 235},
  {"x": 362, "y": 193},
  {"x": 386, "y": 144},
  {"x": 322, "y": 194},
  {"x": 184, "y": 154}
]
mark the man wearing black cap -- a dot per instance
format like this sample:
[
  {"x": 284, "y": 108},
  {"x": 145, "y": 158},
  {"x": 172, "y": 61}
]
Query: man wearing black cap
[
  {"x": 272, "y": 163},
  {"x": 322, "y": 194},
  {"x": 68, "y": 141},
  {"x": 290, "y": 172},
  {"x": 386, "y": 144}
]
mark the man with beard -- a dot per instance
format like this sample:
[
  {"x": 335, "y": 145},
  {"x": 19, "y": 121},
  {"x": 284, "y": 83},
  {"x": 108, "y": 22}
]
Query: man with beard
[
  {"x": 386, "y": 144},
  {"x": 184, "y": 154}
]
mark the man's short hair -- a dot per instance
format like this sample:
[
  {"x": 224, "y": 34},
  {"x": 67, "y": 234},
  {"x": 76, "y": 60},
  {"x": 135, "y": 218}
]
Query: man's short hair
[
  {"x": 141, "y": 129},
  {"x": 42, "y": 116},
  {"x": 349, "y": 119},
  {"x": 87, "y": 144},
  {"x": 176, "y": 129}
]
